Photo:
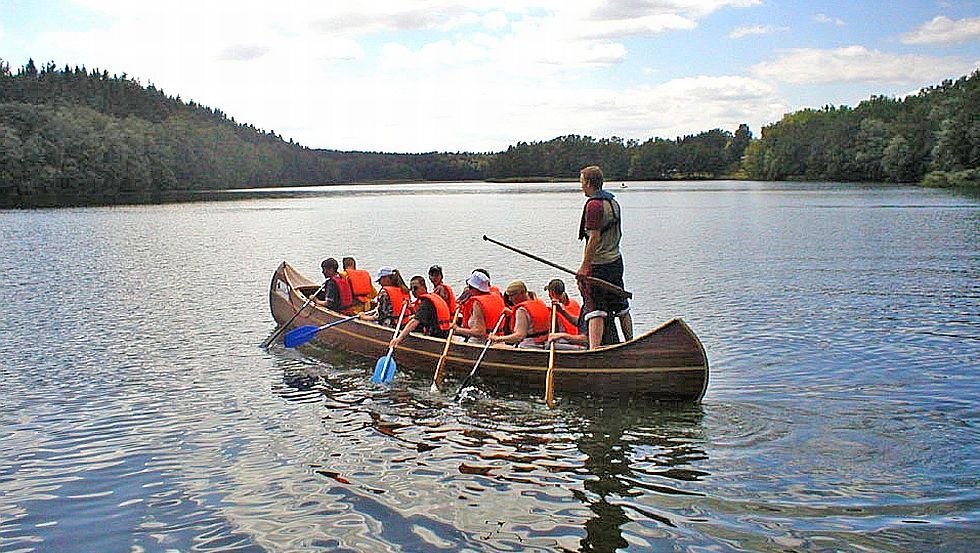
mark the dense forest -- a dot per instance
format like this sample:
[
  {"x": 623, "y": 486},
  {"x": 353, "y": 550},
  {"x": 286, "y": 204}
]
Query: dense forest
[
  {"x": 71, "y": 135},
  {"x": 932, "y": 136}
]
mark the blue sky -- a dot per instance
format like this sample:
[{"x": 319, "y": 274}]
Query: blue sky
[{"x": 468, "y": 75}]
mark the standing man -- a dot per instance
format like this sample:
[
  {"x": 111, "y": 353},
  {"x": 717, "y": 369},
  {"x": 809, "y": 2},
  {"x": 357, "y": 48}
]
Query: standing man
[{"x": 601, "y": 229}]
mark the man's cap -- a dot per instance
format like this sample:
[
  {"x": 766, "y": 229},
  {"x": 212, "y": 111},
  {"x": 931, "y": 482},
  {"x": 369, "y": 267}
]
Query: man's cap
[
  {"x": 383, "y": 272},
  {"x": 556, "y": 286},
  {"x": 479, "y": 281}
]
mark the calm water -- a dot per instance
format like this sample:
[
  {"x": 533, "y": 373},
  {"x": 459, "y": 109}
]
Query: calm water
[{"x": 842, "y": 324}]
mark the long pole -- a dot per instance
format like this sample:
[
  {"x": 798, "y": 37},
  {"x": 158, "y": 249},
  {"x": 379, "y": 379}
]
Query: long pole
[{"x": 594, "y": 280}]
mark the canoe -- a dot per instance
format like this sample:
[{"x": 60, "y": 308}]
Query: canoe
[{"x": 666, "y": 363}]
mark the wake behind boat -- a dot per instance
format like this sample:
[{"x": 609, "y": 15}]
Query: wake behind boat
[{"x": 666, "y": 363}]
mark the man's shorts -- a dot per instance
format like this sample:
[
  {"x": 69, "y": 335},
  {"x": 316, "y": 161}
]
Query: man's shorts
[{"x": 600, "y": 298}]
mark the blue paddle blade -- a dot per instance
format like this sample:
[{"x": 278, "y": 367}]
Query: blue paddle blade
[
  {"x": 389, "y": 373},
  {"x": 384, "y": 370},
  {"x": 299, "y": 336}
]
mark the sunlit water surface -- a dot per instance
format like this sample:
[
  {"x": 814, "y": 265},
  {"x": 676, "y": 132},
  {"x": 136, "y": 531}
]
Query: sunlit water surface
[{"x": 842, "y": 324}]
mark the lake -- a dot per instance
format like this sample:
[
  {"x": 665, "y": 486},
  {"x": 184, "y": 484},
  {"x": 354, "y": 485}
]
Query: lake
[{"x": 841, "y": 323}]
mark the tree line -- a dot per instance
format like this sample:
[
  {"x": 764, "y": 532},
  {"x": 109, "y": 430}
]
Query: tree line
[
  {"x": 70, "y": 135},
  {"x": 931, "y": 137}
]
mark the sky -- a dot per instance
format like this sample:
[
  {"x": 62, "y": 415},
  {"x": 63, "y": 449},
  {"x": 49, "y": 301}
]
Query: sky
[{"x": 478, "y": 76}]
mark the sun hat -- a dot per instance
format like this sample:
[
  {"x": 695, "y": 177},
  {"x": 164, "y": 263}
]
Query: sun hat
[
  {"x": 383, "y": 272},
  {"x": 479, "y": 281}
]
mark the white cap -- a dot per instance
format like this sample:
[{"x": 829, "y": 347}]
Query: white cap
[
  {"x": 383, "y": 272},
  {"x": 479, "y": 281}
]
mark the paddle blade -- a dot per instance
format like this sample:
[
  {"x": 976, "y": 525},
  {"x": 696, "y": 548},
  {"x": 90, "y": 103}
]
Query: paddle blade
[
  {"x": 379, "y": 368},
  {"x": 384, "y": 370},
  {"x": 299, "y": 336}
]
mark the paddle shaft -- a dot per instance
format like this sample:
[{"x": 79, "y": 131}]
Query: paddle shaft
[
  {"x": 307, "y": 335},
  {"x": 549, "y": 380},
  {"x": 486, "y": 346},
  {"x": 391, "y": 348},
  {"x": 592, "y": 279},
  {"x": 270, "y": 339},
  {"x": 437, "y": 377}
]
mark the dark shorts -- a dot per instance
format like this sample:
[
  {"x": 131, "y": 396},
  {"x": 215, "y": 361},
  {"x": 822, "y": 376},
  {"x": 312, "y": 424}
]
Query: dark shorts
[{"x": 600, "y": 298}]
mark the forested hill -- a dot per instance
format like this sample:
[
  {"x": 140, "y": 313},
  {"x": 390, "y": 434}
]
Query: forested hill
[
  {"x": 71, "y": 136},
  {"x": 932, "y": 136}
]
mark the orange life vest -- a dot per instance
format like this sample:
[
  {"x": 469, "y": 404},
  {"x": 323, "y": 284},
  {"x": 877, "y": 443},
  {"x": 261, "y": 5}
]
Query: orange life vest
[
  {"x": 443, "y": 316},
  {"x": 540, "y": 318},
  {"x": 575, "y": 310},
  {"x": 346, "y": 299},
  {"x": 360, "y": 284},
  {"x": 398, "y": 297},
  {"x": 491, "y": 304},
  {"x": 451, "y": 302}
]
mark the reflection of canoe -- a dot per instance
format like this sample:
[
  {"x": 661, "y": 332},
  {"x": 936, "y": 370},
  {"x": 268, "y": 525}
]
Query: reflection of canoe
[{"x": 665, "y": 363}]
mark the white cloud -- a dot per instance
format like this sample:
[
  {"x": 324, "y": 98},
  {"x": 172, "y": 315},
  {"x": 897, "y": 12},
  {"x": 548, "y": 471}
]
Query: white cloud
[
  {"x": 942, "y": 30},
  {"x": 632, "y": 9},
  {"x": 741, "y": 32},
  {"x": 858, "y": 64},
  {"x": 479, "y": 114},
  {"x": 394, "y": 75},
  {"x": 824, "y": 18},
  {"x": 682, "y": 106}
]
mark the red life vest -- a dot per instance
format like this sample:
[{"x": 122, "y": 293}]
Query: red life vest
[
  {"x": 398, "y": 297},
  {"x": 443, "y": 316},
  {"x": 451, "y": 302},
  {"x": 491, "y": 304},
  {"x": 360, "y": 284},
  {"x": 575, "y": 310},
  {"x": 540, "y": 318},
  {"x": 346, "y": 299}
]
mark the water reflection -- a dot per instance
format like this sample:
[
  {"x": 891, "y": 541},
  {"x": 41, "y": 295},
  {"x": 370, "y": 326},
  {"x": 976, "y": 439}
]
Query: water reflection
[{"x": 502, "y": 456}]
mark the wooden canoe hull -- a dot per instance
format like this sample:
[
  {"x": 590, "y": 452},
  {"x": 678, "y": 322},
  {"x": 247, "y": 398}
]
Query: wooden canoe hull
[{"x": 666, "y": 363}]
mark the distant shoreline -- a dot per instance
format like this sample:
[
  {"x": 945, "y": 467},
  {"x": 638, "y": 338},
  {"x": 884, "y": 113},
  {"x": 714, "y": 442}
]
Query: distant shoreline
[{"x": 300, "y": 191}]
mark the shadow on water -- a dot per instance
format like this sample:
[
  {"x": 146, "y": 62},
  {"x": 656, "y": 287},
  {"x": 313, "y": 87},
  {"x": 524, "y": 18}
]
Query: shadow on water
[{"x": 536, "y": 478}]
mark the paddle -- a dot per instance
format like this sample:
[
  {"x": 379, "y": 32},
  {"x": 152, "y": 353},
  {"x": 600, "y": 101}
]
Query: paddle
[
  {"x": 265, "y": 343},
  {"x": 469, "y": 377},
  {"x": 594, "y": 280},
  {"x": 300, "y": 335},
  {"x": 549, "y": 379},
  {"x": 437, "y": 377},
  {"x": 382, "y": 374}
]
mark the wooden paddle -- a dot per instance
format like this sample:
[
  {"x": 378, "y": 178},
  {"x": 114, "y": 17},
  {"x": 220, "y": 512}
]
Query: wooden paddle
[
  {"x": 382, "y": 374},
  {"x": 469, "y": 377},
  {"x": 437, "y": 377},
  {"x": 265, "y": 343},
  {"x": 594, "y": 280},
  {"x": 549, "y": 379}
]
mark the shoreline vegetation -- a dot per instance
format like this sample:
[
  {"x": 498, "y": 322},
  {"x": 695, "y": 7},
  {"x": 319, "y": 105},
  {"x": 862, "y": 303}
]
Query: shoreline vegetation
[{"x": 72, "y": 136}]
